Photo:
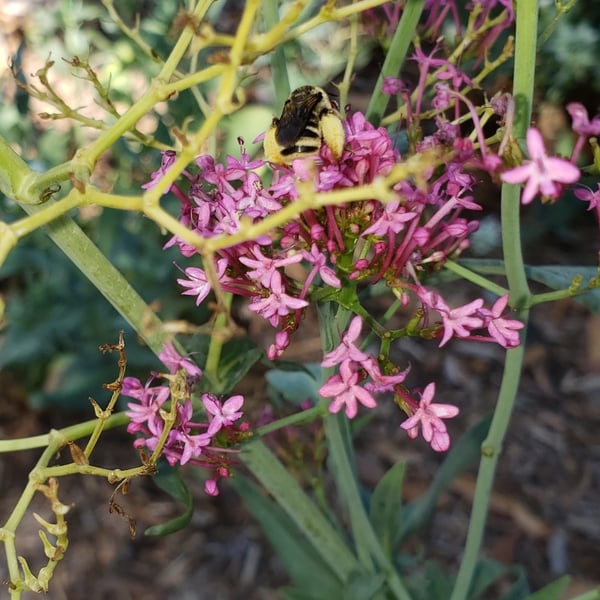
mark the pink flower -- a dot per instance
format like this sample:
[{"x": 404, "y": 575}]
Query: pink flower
[
  {"x": 149, "y": 401},
  {"x": 345, "y": 390},
  {"x": 277, "y": 304},
  {"x": 184, "y": 446},
  {"x": 222, "y": 415},
  {"x": 543, "y": 174},
  {"x": 581, "y": 121},
  {"x": 587, "y": 195},
  {"x": 459, "y": 322},
  {"x": 264, "y": 266},
  {"x": 319, "y": 262},
  {"x": 504, "y": 331},
  {"x": 391, "y": 221},
  {"x": 174, "y": 361},
  {"x": 197, "y": 282},
  {"x": 429, "y": 416},
  {"x": 382, "y": 383},
  {"x": 168, "y": 158},
  {"x": 282, "y": 341},
  {"x": 211, "y": 486},
  {"x": 347, "y": 350}
]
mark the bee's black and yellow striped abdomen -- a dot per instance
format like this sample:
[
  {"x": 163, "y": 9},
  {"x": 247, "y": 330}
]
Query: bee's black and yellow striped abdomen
[{"x": 308, "y": 120}]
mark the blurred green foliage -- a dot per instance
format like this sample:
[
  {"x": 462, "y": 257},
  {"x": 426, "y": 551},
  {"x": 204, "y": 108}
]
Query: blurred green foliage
[{"x": 55, "y": 319}]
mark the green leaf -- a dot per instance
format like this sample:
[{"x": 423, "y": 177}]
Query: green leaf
[
  {"x": 386, "y": 506},
  {"x": 486, "y": 573},
  {"x": 296, "y": 386},
  {"x": 169, "y": 480},
  {"x": 313, "y": 578},
  {"x": 362, "y": 586},
  {"x": 466, "y": 450},
  {"x": 326, "y": 542},
  {"x": 520, "y": 588},
  {"x": 552, "y": 591},
  {"x": 329, "y": 312},
  {"x": 431, "y": 583},
  {"x": 237, "y": 357}
]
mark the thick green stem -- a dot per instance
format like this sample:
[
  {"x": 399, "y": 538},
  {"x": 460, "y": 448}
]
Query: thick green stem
[
  {"x": 394, "y": 58},
  {"x": 368, "y": 548},
  {"x": 16, "y": 177},
  {"x": 526, "y": 33},
  {"x": 69, "y": 237},
  {"x": 281, "y": 80}
]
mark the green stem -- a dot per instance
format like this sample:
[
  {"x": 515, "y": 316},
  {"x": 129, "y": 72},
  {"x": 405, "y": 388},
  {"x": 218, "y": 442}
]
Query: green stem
[
  {"x": 281, "y": 80},
  {"x": 520, "y": 295},
  {"x": 16, "y": 177},
  {"x": 41, "y": 472},
  {"x": 85, "y": 160},
  {"x": 369, "y": 550},
  {"x": 211, "y": 369},
  {"x": 394, "y": 58},
  {"x": 557, "y": 295},
  {"x": 48, "y": 181},
  {"x": 490, "y": 452},
  {"x": 370, "y": 553},
  {"x": 475, "y": 278},
  {"x": 69, "y": 237},
  {"x": 344, "y": 86},
  {"x": 74, "y": 432}
]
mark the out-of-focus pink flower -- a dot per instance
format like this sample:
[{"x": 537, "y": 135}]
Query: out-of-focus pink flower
[
  {"x": 392, "y": 86},
  {"x": 174, "y": 361},
  {"x": 581, "y": 121},
  {"x": 588, "y": 195}
]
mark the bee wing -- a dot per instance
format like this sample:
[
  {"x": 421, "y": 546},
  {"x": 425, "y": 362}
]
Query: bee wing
[{"x": 295, "y": 117}]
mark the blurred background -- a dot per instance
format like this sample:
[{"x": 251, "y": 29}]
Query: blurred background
[{"x": 545, "y": 514}]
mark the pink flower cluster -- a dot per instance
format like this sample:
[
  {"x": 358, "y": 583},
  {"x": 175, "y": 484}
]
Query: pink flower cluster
[
  {"x": 327, "y": 250},
  {"x": 411, "y": 234},
  {"x": 360, "y": 376},
  {"x": 461, "y": 322},
  {"x": 342, "y": 245},
  {"x": 207, "y": 444},
  {"x": 354, "y": 367}
]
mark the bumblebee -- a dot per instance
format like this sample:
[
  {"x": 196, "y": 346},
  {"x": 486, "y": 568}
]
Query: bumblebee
[{"x": 308, "y": 120}]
